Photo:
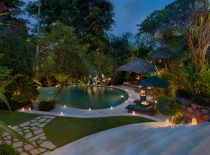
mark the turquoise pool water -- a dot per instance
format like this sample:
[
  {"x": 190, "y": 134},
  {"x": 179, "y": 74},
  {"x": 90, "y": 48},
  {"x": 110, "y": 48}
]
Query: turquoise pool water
[{"x": 85, "y": 97}]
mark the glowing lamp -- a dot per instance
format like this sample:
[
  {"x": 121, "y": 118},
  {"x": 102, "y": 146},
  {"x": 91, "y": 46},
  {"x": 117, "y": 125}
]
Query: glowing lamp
[
  {"x": 167, "y": 122},
  {"x": 149, "y": 88},
  {"x": 111, "y": 108},
  {"x": 145, "y": 103},
  {"x": 29, "y": 108},
  {"x": 143, "y": 93},
  {"x": 89, "y": 109},
  {"x": 61, "y": 114},
  {"x": 23, "y": 109},
  {"x": 133, "y": 113},
  {"x": 64, "y": 106},
  {"x": 194, "y": 121}
]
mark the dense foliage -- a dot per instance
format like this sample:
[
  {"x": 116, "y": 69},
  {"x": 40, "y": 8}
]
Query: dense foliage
[{"x": 47, "y": 105}]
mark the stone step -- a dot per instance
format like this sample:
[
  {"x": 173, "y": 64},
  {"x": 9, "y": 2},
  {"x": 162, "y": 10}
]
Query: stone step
[
  {"x": 159, "y": 145},
  {"x": 186, "y": 143}
]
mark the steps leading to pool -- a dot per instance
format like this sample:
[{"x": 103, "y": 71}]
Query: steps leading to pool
[{"x": 143, "y": 139}]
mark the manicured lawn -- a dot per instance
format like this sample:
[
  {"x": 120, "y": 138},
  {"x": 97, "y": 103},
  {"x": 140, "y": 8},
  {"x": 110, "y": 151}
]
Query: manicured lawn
[
  {"x": 65, "y": 130},
  {"x": 15, "y": 118}
]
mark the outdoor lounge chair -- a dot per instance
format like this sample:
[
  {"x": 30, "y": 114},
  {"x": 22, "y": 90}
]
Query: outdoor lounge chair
[{"x": 141, "y": 109}]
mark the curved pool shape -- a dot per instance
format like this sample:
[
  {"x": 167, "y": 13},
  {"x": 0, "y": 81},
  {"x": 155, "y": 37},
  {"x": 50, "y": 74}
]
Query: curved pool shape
[{"x": 85, "y": 97}]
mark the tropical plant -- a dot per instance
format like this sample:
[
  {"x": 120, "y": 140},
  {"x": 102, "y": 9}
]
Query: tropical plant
[
  {"x": 199, "y": 37},
  {"x": 21, "y": 90},
  {"x": 168, "y": 105},
  {"x": 6, "y": 149},
  {"x": 5, "y": 128}
]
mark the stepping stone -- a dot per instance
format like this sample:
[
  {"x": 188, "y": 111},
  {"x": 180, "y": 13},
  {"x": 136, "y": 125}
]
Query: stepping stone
[
  {"x": 36, "y": 137},
  {"x": 8, "y": 138},
  {"x": 42, "y": 125},
  {"x": 38, "y": 118},
  {"x": 25, "y": 124},
  {"x": 28, "y": 147},
  {"x": 23, "y": 153},
  {"x": 35, "y": 152},
  {"x": 8, "y": 142},
  {"x": 36, "y": 132},
  {"x": 19, "y": 150},
  {"x": 29, "y": 135},
  {"x": 49, "y": 117},
  {"x": 26, "y": 131},
  {"x": 48, "y": 145},
  {"x": 17, "y": 144},
  {"x": 42, "y": 120},
  {"x": 14, "y": 127},
  {"x": 33, "y": 121},
  {"x": 5, "y": 134},
  {"x": 42, "y": 150},
  {"x": 34, "y": 128},
  {"x": 25, "y": 128},
  {"x": 35, "y": 124},
  {"x": 43, "y": 138},
  {"x": 20, "y": 132}
]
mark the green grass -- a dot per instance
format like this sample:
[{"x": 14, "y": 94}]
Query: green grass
[
  {"x": 15, "y": 118},
  {"x": 65, "y": 130}
]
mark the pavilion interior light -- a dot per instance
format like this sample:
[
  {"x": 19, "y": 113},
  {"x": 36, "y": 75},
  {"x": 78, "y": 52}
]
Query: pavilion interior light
[{"x": 142, "y": 93}]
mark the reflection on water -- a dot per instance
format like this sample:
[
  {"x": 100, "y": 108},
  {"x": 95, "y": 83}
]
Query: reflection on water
[{"x": 93, "y": 97}]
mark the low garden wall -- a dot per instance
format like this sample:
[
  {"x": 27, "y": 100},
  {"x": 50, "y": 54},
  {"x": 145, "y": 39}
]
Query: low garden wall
[{"x": 193, "y": 110}]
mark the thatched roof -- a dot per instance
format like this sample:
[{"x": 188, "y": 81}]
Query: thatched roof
[{"x": 138, "y": 66}]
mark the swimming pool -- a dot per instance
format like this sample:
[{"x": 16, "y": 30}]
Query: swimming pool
[{"x": 85, "y": 97}]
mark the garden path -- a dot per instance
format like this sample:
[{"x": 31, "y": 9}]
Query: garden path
[{"x": 33, "y": 131}]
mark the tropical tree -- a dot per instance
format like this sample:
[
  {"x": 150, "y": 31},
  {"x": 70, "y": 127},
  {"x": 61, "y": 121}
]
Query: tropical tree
[
  {"x": 199, "y": 37},
  {"x": 61, "y": 48},
  {"x": 89, "y": 19}
]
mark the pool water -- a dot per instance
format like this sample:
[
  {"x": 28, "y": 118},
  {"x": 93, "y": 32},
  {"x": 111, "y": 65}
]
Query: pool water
[{"x": 85, "y": 97}]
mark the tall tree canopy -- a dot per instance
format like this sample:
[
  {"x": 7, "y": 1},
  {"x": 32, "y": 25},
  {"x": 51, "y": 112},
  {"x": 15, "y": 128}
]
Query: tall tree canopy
[{"x": 89, "y": 18}]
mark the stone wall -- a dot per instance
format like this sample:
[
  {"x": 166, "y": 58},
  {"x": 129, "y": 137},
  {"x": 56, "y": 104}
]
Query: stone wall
[{"x": 193, "y": 110}]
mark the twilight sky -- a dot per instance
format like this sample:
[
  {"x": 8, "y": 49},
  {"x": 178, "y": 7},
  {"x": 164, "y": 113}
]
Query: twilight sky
[{"x": 129, "y": 13}]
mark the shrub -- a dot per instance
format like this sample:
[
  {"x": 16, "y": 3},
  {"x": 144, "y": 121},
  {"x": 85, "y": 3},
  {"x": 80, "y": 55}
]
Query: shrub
[
  {"x": 177, "y": 118},
  {"x": 22, "y": 89},
  {"x": 47, "y": 105},
  {"x": 7, "y": 150},
  {"x": 168, "y": 105}
]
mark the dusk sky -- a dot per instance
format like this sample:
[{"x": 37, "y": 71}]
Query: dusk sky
[{"x": 129, "y": 13}]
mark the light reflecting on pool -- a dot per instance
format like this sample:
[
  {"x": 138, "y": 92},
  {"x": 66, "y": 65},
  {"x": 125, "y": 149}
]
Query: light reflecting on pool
[{"x": 85, "y": 97}]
